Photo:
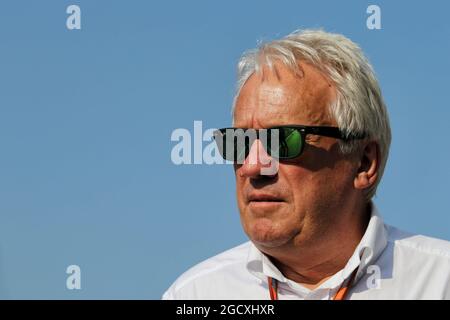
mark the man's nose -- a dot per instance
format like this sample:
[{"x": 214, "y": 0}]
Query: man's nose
[{"x": 257, "y": 162}]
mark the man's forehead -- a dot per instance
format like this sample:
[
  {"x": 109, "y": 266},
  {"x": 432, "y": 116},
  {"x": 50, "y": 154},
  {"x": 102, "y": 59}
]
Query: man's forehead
[{"x": 276, "y": 96}]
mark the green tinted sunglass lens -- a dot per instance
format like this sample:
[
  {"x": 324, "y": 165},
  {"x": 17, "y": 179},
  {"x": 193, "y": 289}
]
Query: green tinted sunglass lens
[
  {"x": 287, "y": 143},
  {"x": 284, "y": 142},
  {"x": 290, "y": 142}
]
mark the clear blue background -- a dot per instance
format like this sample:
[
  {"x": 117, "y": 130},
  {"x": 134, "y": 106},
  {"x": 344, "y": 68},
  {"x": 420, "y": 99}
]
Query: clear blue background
[{"x": 86, "y": 117}]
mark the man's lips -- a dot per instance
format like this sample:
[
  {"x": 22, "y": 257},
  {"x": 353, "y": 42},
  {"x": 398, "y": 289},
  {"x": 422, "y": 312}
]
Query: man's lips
[{"x": 264, "y": 197}]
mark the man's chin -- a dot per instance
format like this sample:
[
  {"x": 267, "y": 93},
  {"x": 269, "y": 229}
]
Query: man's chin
[
  {"x": 269, "y": 244},
  {"x": 264, "y": 234}
]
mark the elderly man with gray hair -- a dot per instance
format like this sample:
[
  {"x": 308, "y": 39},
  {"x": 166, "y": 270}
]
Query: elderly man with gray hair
[{"x": 314, "y": 231}]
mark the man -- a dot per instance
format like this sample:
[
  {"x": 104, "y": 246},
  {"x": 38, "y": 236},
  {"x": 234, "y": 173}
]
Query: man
[{"x": 314, "y": 231}]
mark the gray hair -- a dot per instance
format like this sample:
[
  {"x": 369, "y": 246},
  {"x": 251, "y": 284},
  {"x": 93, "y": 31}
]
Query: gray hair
[{"x": 359, "y": 106}]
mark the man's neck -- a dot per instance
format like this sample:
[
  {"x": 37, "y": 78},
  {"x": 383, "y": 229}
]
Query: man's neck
[
  {"x": 311, "y": 264},
  {"x": 313, "y": 274}
]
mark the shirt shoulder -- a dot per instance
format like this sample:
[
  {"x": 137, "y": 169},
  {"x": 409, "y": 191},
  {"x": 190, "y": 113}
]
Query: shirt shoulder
[
  {"x": 416, "y": 266},
  {"x": 419, "y": 244},
  {"x": 205, "y": 271}
]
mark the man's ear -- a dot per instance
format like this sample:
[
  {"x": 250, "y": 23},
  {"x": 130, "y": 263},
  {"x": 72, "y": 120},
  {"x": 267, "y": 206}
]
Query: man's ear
[{"x": 367, "y": 173}]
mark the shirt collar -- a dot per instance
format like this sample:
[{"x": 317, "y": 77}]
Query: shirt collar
[{"x": 368, "y": 250}]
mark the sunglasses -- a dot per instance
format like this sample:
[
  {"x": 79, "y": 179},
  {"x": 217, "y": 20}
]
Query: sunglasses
[{"x": 281, "y": 142}]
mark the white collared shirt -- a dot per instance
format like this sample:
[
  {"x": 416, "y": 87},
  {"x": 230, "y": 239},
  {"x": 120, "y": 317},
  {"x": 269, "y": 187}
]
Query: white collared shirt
[{"x": 391, "y": 264}]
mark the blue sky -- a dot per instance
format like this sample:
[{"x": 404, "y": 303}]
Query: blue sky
[{"x": 86, "y": 118}]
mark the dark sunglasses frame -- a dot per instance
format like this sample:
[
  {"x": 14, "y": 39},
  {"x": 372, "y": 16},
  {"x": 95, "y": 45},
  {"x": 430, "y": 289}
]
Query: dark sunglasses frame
[{"x": 326, "y": 131}]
